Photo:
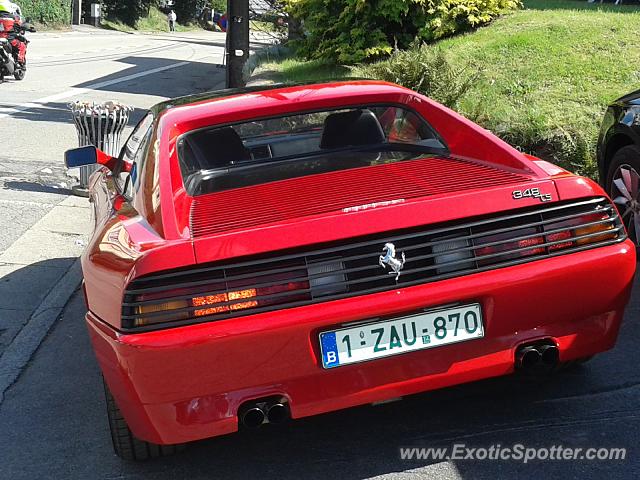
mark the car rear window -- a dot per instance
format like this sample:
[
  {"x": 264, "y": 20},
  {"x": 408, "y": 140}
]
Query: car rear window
[{"x": 260, "y": 151}]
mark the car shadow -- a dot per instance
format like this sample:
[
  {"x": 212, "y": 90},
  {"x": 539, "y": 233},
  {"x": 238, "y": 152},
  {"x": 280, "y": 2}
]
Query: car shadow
[
  {"x": 365, "y": 442},
  {"x": 173, "y": 37},
  {"x": 50, "y": 112},
  {"x": 22, "y": 289},
  {"x": 200, "y": 77},
  {"x": 35, "y": 187},
  {"x": 58, "y": 112}
]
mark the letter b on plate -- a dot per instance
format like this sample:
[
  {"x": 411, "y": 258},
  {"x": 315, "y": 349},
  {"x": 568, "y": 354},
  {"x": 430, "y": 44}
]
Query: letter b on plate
[{"x": 329, "y": 350}]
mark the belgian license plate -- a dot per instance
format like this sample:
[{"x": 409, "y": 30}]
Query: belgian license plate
[{"x": 401, "y": 335}]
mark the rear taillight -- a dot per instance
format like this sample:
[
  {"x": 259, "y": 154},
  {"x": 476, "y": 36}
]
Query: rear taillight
[
  {"x": 170, "y": 311},
  {"x": 224, "y": 302},
  {"x": 586, "y": 229},
  {"x": 558, "y": 240},
  {"x": 602, "y": 226},
  {"x": 554, "y": 236},
  {"x": 284, "y": 292},
  {"x": 292, "y": 278},
  {"x": 185, "y": 303},
  {"x": 513, "y": 244}
]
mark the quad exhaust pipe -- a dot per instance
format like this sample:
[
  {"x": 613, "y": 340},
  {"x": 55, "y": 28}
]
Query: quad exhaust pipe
[
  {"x": 258, "y": 412},
  {"x": 527, "y": 358},
  {"x": 550, "y": 355},
  {"x": 537, "y": 357},
  {"x": 277, "y": 413},
  {"x": 252, "y": 417}
]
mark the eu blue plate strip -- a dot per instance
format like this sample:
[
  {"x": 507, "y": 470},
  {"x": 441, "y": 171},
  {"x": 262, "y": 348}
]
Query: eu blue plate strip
[{"x": 329, "y": 350}]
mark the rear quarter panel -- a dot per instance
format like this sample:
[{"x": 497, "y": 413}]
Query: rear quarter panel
[{"x": 123, "y": 245}]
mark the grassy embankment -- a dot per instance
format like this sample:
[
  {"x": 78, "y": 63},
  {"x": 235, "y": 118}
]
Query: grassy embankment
[
  {"x": 546, "y": 74},
  {"x": 156, "y": 21}
]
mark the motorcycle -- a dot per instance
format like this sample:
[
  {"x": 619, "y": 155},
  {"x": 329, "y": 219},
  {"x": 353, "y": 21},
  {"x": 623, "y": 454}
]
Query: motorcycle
[{"x": 13, "y": 47}]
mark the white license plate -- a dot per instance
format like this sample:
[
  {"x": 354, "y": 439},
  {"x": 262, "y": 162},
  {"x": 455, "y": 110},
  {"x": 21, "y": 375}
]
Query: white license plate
[{"x": 401, "y": 335}]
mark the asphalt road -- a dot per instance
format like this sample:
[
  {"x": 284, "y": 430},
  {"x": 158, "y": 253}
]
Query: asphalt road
[
  {"x": 53, "y": 425},
  {"x": 36, "y": 128},
  {"x": 93, "y": 65}
]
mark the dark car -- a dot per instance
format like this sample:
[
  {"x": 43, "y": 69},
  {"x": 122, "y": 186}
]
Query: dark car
[{"x": 619, "y": 159}]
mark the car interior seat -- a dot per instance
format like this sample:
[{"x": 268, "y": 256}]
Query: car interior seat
[
  {"x": 214, "y": 148},
  {"x": 352, "y": 128}
]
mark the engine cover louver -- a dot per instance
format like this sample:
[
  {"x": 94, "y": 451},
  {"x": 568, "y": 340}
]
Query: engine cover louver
[{"x": 296, "y": 198}]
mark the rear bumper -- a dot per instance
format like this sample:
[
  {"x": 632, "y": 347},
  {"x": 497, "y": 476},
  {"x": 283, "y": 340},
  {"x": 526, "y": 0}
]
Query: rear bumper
[{"x": 187, "y": 383}]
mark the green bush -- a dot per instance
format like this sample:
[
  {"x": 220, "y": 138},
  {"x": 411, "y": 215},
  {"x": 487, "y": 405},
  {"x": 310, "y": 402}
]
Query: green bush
[
  {"x": 48, "y": 12},
  {"x": 547, "y": 75},
  {"x": 186, "y": 10},
  {"x": 127, "y": 11},
  {"x": 446, "y": 17},
  {"x": 352, "y": 31},
  {"x": 218, "y": 5},
  {"x": 426, "y": 70}
]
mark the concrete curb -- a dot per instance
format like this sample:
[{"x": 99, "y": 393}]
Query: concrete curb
[{"x": 19, "y": 352}]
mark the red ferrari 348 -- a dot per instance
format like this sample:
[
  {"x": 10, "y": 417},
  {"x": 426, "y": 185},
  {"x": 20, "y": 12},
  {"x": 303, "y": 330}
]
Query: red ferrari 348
[{"x": 273, "y": 253}]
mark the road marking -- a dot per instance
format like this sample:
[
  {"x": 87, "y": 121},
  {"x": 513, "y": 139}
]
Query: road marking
[
  {"x": 7, "y": 112},
  {"x": 49, "y": 61}
]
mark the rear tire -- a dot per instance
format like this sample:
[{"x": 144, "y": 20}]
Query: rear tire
[{"x": 125, "y": 444}]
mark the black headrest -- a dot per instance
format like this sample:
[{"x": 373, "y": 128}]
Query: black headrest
[
  {"x": 356, "y": 127},
  {"x": 218, "y": 147}
]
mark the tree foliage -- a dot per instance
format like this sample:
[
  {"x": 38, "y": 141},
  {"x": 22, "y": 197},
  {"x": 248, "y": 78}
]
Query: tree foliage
[
  {"x": 218, "y": 5},
  {"x": 425, "y": 69},
  {"x": 351, "y": 31},
  {"x": 130, "y": 11},
  {"x": 47, "y": 11},
  {"x": 127, "y": 11},
  {"x": 186, "y": 9}
]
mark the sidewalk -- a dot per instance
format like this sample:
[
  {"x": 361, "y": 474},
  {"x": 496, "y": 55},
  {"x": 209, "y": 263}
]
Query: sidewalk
[
  {"x": 38, "y": 273},
  {"x": 76, "y": 30},
  {"x": 42, "y": 229}
]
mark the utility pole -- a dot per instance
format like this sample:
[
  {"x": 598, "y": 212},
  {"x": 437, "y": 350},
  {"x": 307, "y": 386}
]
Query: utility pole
[
  {"x": 76, "y": 12},
  {"x": 237, "y": 41}
]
